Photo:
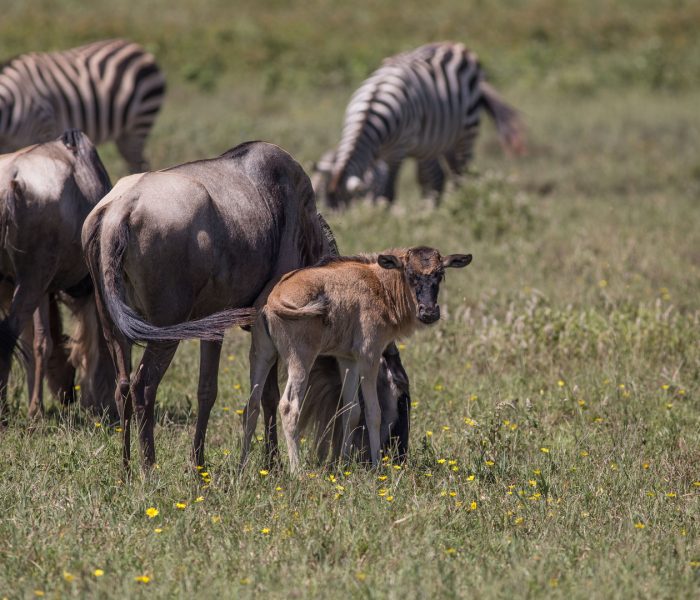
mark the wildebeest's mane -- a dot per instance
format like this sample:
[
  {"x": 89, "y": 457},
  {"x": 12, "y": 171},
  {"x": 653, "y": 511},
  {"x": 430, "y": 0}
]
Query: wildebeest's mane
[{"x": 365, "y": 259}]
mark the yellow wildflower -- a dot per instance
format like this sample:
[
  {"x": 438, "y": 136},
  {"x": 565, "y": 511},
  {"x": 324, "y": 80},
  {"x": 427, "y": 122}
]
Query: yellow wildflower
[
  {"x": 429, "y": 433},
  {"x": 471, "y": 477},
  {"x": 98, "y": 425},
  {"x": 158, "y": 530},
  {"x": 639, "y": 525},
  {"x": 239, "y": 411},
  {"x": 473, "y": 505},
  {"x": 441, "y": 461},
  {"x": 39, "y": 593},
  {"x": 382, "y": 477},
  {"x": 181, "y": 505},
  {"x": 199, "y": 499},
  {"x": 216, "y": 519},
  {"x": 98, "y": 572},
  {"x": 489, "y": 463},
  {"x": 68, "y": 576},
  {"x": 265, "y": 530},
  {"x": 142, "y": 579},
  {"x": 561, "y": 383},
  {"x": 445, "y": 427},
  {"x": 264, "y": 472},
  {"x": 389, "y": 498},
  {"x": 544, "y": 450},
  {"x": 152, "y": 512}
]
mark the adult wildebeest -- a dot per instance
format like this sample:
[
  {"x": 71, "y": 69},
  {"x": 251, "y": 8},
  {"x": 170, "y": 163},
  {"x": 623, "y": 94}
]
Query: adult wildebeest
[
  {"x": 351, "y": 308},
  {"x": 425, "y": 104},
  {"x": 178, "y": 253},
  {"x": 47, "y": 190}
]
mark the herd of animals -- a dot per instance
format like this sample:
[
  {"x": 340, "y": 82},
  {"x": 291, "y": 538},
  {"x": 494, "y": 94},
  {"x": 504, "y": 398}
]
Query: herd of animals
[{"x": 189, "y": 251}]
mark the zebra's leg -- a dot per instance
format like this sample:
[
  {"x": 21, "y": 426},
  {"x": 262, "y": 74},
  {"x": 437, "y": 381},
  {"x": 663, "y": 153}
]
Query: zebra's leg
[
  {"x": 461, "y": 154},
  {"x": 387, "y": 189},
  {"x": 431, "y": 179},
  {"x": 130, "y": 145}
]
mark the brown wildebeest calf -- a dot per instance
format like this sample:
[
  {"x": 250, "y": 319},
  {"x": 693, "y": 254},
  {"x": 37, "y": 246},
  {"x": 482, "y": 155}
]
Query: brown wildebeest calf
[{"x": 349, "y": 308}]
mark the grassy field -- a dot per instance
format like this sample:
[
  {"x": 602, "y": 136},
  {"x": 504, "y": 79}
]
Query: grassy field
[{"x": 555, "y": 449}]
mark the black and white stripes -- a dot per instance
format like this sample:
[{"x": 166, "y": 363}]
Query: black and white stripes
[
  {"x": 424, "y": 104},
  {"x": 112, "y": 90}
]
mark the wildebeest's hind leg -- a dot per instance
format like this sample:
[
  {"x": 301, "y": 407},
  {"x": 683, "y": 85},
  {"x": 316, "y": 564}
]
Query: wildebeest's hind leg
[
  {"x": 60, "y": 373},
  {"x": 270, "y": 402},
  {"x": 298, "y": 368},
  {"x": 25, "y": 300},
  {"x": 209, "y": 354},
  {"x": 263, "y": 356},
  {"x": 154, "y": 363},
  {"x": 42, "y": 348}
]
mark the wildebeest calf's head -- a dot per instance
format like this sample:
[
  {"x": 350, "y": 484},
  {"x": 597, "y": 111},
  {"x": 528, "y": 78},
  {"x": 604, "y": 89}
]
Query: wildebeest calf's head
[{"x": 424, "y": 270}]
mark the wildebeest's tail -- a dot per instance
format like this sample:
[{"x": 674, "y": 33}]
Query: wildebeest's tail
[
  {"x": 107, "y": 272},
  {"x": 506, "y": 118}
]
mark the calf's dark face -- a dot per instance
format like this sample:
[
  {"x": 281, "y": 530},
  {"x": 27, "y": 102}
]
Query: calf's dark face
[{"x": 424, "y": 270}]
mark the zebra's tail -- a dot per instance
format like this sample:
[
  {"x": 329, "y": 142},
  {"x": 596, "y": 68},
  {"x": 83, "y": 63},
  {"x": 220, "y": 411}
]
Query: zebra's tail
[{"x": 507, "y": 119}]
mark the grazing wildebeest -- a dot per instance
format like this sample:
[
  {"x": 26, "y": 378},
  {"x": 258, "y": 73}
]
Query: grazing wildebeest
[
  {"x": 425, "y": 104},
  {"x": 47, "y": 190},
  {"x": 322, "y": 409},
  {"x": 111, "y": 90},
  {"x": 171, "y": 252},
  {"x": 351, "y": 308}
]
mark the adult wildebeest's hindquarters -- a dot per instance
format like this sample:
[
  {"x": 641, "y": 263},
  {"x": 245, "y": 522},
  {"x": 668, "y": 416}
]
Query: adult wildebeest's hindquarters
[{"x": 46, "y": 191}]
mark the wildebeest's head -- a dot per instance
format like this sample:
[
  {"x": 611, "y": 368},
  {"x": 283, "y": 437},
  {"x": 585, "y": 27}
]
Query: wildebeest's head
[{"x": 424, "y": 270}]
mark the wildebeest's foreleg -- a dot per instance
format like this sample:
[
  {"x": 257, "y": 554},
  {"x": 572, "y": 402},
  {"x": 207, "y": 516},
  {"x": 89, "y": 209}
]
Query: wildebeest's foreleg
[
  {"x": 270, "y": 402},
  {"x": 155, "y": 361},
  {"x": 209, "y": 354},
  {"x": 373, "y": 413},
  {"x": 290, "y": 405},
  {"x": 351, "y": 411},
  {"x": 263, "y": 356},
  {"x": 42, "y": 348}
]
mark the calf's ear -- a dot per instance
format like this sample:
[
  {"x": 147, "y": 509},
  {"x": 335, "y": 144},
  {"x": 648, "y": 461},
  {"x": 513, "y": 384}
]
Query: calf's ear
[
  {"x": 456, "y": 261},
  {"x": 389, "y": 261}
]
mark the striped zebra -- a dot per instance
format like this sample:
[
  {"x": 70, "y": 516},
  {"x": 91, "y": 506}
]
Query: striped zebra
[
  {"x": 425, "y": 104},
  {"x": 111, "y": 90}
]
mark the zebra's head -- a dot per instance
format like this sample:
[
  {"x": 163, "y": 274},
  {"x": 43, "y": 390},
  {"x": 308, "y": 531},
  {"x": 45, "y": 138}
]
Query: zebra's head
[{"x": 337, "y": 190}]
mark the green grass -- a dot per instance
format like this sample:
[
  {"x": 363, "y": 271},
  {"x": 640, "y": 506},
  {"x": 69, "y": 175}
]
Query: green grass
[{"x": 575, "y": 329}]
